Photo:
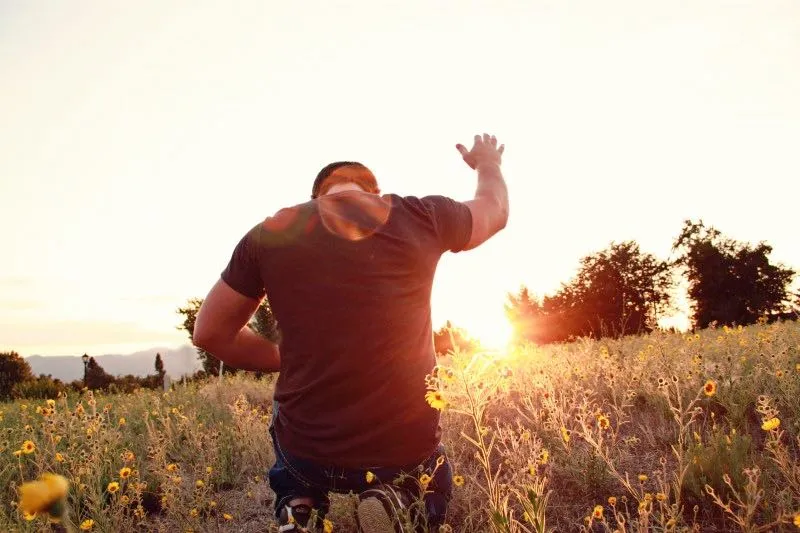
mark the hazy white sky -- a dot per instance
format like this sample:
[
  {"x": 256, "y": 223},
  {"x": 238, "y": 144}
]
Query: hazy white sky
[{"x": 138, "y": 141}]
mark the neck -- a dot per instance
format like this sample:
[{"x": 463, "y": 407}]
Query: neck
[{"x": 341, "y": 187}]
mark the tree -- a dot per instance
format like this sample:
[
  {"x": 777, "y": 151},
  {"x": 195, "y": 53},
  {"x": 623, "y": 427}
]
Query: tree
[
  {"x": 96, "y": 376},
  {"x": 448, "y": 337},
  {"x": 14, "y": 370},
  {"x": 731, "y": 282},
  {"x": 617, "y": 291},
  {"x": 262, "y": 322},
  {"x": 159, "y": 364}
]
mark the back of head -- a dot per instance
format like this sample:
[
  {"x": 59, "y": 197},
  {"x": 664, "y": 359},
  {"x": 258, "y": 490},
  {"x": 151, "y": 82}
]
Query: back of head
[{"x": 344, "y": 172}]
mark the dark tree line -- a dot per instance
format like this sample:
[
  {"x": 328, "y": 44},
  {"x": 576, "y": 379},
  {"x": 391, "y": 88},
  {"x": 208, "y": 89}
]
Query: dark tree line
[{"x": 621, "y": 290}]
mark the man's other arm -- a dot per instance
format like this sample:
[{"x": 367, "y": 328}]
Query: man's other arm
[
  {"x": 221, "y": 324},
  {"x": 489, "y": 207},
  {"x": 221, "y": 329}
]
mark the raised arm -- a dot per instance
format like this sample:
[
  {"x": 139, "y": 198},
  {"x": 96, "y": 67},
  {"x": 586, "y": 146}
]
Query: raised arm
[{"x": 489, "y": 208}]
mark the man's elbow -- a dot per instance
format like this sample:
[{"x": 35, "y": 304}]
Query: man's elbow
[{"x": 204, "y": 339}]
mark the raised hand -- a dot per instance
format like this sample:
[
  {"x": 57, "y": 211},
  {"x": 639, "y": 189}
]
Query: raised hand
[{"x": 484, "y": 150}]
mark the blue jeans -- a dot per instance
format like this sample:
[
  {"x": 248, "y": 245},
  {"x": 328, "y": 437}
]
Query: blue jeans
[{"x": 294, "y": 477}]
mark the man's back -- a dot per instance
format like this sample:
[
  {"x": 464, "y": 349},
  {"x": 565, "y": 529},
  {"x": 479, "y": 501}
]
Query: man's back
[{"x": 349, "y": 277}]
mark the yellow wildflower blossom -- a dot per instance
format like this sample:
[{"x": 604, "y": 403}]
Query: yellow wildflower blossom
[
  {"x": 458, "y": 481},
  {"x": 28, "y": 447},
  {"x": 435, "y": 399},
  {"x": 597, "y": 513},
  {"x": 113, "y": 487},
  {"x": 42, "y": 495},
  {"x": 370, "y": 477},
  {"x": 710, "y": 388},
  {"x": 771, "y": 424},
  {"x": 87, "y": 525},
  {"x": 327, "y": 526}
]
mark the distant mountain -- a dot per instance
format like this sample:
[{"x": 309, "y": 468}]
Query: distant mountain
[{"x": 177, "y": 362}]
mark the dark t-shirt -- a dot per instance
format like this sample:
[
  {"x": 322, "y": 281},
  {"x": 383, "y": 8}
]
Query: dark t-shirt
[{"x": 349, "y": 277}]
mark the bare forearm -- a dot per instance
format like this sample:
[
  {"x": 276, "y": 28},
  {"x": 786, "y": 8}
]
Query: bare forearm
[
  {"x": 492, "y": 187},
  {"x": 247, "y": 351}
]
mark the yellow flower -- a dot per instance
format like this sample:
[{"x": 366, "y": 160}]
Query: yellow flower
[
  {"x": 612, "y": 501},
  {"x": 370, "y": 477},
  {"x": 209, "y": 470},
  {"x": 710, "y": 388},
  {"x": 28, "y": 447},
  {"x": 797, "y": 519},
  {"x": 59, "y": 458},
  {"x": 597, "y": 514},
  {"x": 660, "y": 496},
  {"x": 29, "y": 516},
  {"x": 17, "y": 453},
  {"x": 603, "y": 422},
  {"x": 113, "y": 487},
  {"x": 42, "y": 495},
  {"x": 51, "y": 403},
  {"x": 642, "y": 478},
  {"x": 458, "y": 481},
  {"x": 199, "y": 483},
  {"x": 172, "y": 467},
  {"x": 771, "y": 424},
  {"x": 565, "y": 434},
  {"x": 435, "y": 399},
  {"x": 124, "y": 500},
  {"x": 125, "y": 472},
  {"x": 544, "y": 457},
  {"x": 122, "y": 421},
  {"x": 226, "y": 516},
  {"x": 425, "y": 479},
  {"x": 128, "y": 456},
  {"x": 193, "y": 513},
  {"x": 87, "y": 525},
  {"x": 327, "y": 526}
]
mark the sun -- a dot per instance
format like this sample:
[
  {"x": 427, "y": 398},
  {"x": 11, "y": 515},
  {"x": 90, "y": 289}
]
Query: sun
[{"x": 493, "y": 332}]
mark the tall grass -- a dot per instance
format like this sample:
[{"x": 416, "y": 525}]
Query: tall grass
[{"x": 665, "y": 432}]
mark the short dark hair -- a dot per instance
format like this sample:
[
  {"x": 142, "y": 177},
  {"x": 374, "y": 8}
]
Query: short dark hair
[{"x": 326, "y": 171}]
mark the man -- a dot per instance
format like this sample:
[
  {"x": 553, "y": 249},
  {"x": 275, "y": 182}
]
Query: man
[{"x": 348, "y": 276}]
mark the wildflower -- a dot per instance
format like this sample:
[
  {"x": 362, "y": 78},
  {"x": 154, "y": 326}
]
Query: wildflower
[
  {"x": 603, "y": 422},
  {"x": 532, "y": 470},
  {"x": 544, "y": 457},
  {"x": 525, "y": 436},
  {"x": 597, "y": 514},
  {"x": 17, "y": 453},
  {"x": 564, "y": 434},
  {"x": 124, "y": 500},
  {"x": 51, "y": 403},
  {"x": 194, "y": 512},
  {"x": 435, "y": 399},
  {"x": 612, "y": 501},
  {"x": 28, "y": 447},
  {"x": 327, "y": 526},
  {"x": 29, "y": 516},
  {"x": 424, "y": 480},
  {"x": 59, "y": 457},
  {"x": 226, "y": 516},
  {"x": 642, "y": 478},
  {"x": 370, "y": 477},
  {"x": 771, "y": 424},
  {"x": 172, "y": 467},
  {"x": 458, "y": 481},
  {"x": 113, "y": 487},
  {"x": 125, "y": 472},
  {"x": 128, "y": 456},
  {"x": 87, "y": 524},
  {"x": 199, "y": 483},
  {"x": 797, "y": 519},
  {"x": 660, "y": 496},
  {"x": 209, "y": 470},
  {"x": 177, "y": 480},
  {"x": 212, "y": 504},
  {"x": 122, "y": 421},
  {"x": 47, "y": 494},
  {"x": 710, "y": 388}
]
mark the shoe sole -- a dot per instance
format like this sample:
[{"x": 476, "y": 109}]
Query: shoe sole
[{"x": 373, "y": 517}]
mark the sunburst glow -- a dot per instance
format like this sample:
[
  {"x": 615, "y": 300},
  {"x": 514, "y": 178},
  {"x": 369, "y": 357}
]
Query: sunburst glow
[{"x": 493, "y": 333}]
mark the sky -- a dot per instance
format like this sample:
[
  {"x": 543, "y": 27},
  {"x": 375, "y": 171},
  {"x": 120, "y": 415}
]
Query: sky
[{"x": 140, "y": 140}]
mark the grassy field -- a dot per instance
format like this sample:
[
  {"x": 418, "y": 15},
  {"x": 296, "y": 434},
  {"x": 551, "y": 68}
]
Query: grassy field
[{"x": 665, "y": 432}]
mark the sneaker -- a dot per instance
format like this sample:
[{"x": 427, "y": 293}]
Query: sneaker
[
  {"x": 295, "y": 518},
  {"x": 380, "y": 510}
]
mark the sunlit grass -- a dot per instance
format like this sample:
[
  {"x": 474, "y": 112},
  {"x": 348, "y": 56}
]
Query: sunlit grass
[{"x": 664, "y": 432}]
